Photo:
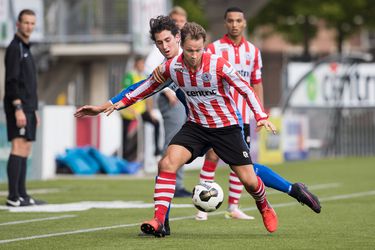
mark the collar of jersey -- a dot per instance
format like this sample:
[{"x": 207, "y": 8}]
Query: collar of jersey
[{"x": 227, "y": 40}]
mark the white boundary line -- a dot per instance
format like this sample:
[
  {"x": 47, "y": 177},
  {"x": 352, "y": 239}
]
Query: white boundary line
[
  {"x": 331, "y": 198},
  {"x": 40, "y": 219}
]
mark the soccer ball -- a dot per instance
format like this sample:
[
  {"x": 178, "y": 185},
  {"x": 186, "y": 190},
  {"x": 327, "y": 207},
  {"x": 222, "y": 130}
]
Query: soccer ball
[{"x": 207, "y": 196}]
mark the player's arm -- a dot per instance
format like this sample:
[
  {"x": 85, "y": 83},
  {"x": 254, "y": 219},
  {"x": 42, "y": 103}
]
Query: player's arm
[
  {"x": 234, "y": 79},
  {"x": 258, "y": 89},
  {"x": 256, "y": 76},
  {"x": 93, "y": 110},
  {"x": 157, "y": 81}
]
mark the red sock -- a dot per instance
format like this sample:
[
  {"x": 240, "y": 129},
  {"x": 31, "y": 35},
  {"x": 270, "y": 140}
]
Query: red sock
[
  {"x": 260, "y": 196},
  {"x": 164, "y": 190},
  {"x": 235, "y": 189},
  {"x": 208, "y": 171}
]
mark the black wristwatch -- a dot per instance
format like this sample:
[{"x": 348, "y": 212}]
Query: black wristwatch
[{"x": 18, "y": 106}]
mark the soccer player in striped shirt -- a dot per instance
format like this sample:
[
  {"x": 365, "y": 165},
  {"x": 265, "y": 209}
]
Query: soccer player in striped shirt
[
  {"x": 206, "y": 80},
  {"x": 247, "y": 60}
]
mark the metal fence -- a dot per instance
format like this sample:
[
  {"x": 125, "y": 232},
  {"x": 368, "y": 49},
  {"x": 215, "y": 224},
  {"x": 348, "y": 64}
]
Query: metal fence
[
  {"x": 87, "y": 20},
  {"x": 338, "y": 128}
]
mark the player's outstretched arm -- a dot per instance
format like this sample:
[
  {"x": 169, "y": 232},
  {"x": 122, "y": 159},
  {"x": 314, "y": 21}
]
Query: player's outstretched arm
[
  {"x": 117, "y": 106},
  {"x": 91, "y": 110}
]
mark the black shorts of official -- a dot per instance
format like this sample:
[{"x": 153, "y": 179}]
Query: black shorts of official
[
  {"x": 227, "y": 142},
  {"x": 28, "y": 132}
]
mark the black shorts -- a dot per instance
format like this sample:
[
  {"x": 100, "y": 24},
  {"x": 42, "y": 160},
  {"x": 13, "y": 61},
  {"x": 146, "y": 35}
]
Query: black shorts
[
  {"x": 227, "y": 142},
  {"x": 29, "y": 132},
  {"x": 246, "y": 134}
]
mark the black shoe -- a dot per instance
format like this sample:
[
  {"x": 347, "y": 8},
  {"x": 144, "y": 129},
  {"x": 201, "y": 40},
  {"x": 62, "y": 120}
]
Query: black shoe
[
  {"x": 166, "y": 227},
  {"x": 302, "y": 195},
  {"x": 13, "y": 203},
  {"x": 29, "y": 201},
  {"x": 182, "y": 193}
]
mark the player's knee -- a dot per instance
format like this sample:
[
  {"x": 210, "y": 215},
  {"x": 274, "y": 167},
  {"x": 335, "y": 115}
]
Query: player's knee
[
  {"x": 212, "y": 156},
  {"x": 165, "y": 164}
]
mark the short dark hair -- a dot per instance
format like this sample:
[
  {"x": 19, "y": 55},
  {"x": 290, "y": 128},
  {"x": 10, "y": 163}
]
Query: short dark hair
[
  {"x": 193, "y": 31},
  {"x": 138, "y": 58},
  {"x": 162, "y": 23},
  {"x": 25, "y": 12},
  {"x": 233, "y": 9}
]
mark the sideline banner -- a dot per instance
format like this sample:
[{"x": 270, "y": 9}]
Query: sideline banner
[
  {"x": 270, "y": 145},
  {"x": 332, "y": 85},
  {"x": 294, "y": 137}
]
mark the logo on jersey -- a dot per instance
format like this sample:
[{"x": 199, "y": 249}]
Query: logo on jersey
[
  {"x": 201, "y": 92},
  {"x": 178, "y": 67},
  {"x": 248, "y": 56},
  {"x": 206, "y": 77},
  {"x": 245, "y": 154},
  {"x": 244, "y": 73}
]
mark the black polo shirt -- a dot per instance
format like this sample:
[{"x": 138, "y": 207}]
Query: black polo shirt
[{"x": 20, "y": 76}]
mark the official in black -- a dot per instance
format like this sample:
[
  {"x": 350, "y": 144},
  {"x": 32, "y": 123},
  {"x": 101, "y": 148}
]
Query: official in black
[{"x": 20, "y": 105}]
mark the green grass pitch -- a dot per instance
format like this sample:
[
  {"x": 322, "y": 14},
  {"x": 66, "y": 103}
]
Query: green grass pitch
[{"x": 345, "y": 186}]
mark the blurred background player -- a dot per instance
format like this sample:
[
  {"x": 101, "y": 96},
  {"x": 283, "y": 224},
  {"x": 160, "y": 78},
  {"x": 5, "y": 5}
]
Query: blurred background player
[
  {"x": 172, "y": 110},
  {"x": 143, "y": 109},
  {"x": 20, "y": 105},
  {"x": 246, "y": 59}
]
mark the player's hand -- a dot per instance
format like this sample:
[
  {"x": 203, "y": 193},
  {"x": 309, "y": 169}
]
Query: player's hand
[
  {"x": 172, "y": 98},
  {"x": 20, "y": 118},
  {"x": 158, "y": 76},
  {"x": 267, "y": 124},
  {"x": 88, "y": 110},
  {"x": 118, "y": 105}
]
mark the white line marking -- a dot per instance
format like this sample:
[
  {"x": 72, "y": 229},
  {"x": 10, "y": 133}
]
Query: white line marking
[
  {"x": 36, "y": 191},
  {"x": 40, "y": 219},
  {"x": 332, "y": 198}
]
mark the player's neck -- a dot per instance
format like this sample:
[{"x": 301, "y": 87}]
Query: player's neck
[
  {"x": 235, "y": 39},
  {"x": 193, "y": 68}
]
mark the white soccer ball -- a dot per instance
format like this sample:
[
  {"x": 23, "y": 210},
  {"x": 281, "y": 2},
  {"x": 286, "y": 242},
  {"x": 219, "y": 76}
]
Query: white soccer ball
[{"x": 207, "y": 196}]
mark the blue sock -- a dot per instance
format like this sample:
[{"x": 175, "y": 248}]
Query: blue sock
[
  {"x": 272, "y": 179},
  {"x": 167, "y": 214}
]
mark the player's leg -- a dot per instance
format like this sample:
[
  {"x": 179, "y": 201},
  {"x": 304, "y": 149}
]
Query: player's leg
[
  {"x": 236, "y": 187},
  {"x": 255, "y": 187},
  {"x": 297, "y": 190},
  {"x": 207, "y": 173},
  {"x": 165, "y": 185},
  {"x": 233, "y": 150}
]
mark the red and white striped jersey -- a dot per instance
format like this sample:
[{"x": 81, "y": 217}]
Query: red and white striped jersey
[
  {"x": 207, "y": 91},
  {"x": 247, "y": 60}
]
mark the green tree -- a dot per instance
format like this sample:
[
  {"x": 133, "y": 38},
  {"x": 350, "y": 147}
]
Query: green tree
[
  {"x": 347, "y": 17},
  {"x": 296, "y": 19}
]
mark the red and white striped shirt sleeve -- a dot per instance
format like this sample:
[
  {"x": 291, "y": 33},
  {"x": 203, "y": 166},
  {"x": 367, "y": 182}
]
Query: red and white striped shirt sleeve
[
  {"x": 256, "y": 73},
  {"x": 234, "y": 79},
  {"x": 148, "y": 87}
]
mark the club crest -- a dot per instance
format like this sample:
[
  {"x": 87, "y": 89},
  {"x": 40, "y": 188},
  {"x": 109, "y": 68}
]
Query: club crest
[{"x": 206, "y": 77}]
